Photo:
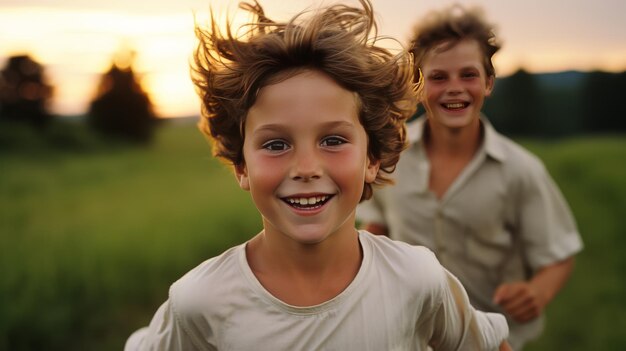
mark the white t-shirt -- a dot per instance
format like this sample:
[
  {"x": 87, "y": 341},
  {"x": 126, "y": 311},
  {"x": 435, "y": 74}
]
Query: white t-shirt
[{"x": 401, "y": 299}]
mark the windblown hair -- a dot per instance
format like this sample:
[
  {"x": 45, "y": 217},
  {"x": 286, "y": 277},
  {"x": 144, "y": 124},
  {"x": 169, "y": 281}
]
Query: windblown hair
[
  {"x": 339, "y": 40},
  {"x": 448, "y": 27}
]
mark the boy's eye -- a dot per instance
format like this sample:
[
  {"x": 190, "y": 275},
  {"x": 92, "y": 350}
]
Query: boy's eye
[
  {"x": 275, "y": 145},
  {"x": 470, "y": 75},
  {"x": 333, "y": 141},
  {"x": 437, "y": 77}
]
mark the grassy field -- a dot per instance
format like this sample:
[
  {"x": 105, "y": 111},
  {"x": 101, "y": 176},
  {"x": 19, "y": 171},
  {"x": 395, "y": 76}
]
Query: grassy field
[
  {"x": 90, "y": 240},
  {"x": 590, "y": 313}
]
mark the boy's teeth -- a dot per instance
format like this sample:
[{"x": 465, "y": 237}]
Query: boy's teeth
[
  {"x": 455, "y": 105},
  {"x": 308, "y": 200}
]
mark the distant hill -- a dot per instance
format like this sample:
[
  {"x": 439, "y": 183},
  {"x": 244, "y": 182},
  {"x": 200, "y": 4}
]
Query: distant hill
[
  {"x": 558, "y": 104},
  {"x": 566, "y": 79}
]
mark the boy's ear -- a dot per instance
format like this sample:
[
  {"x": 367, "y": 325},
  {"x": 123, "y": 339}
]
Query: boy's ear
[
  {"x": 490, "y": 83},
  {"x": 420, "y": 95},
  {"x": 241, "y": 173},
  {"x": 372, "y": 170}
]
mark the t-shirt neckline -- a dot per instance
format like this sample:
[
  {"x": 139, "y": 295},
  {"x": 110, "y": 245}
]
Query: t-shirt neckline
[{"x": 260, "y": 290}]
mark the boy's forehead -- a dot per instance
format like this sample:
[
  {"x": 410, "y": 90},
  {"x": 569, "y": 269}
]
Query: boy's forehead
[
  {"x": 310, "y": 94},
  {"x": 450, "y": 44},
  {"x": 302, "y": 88},
  {"x": 463, "y": 49}
]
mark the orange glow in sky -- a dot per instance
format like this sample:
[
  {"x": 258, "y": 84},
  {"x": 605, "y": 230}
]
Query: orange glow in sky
[{"x": 77, "y": 40}]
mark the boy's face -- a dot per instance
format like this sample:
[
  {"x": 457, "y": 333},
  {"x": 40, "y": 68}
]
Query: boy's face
[
  {"x": 455, "y": 84},
  {"x": 306, "y": 160}
]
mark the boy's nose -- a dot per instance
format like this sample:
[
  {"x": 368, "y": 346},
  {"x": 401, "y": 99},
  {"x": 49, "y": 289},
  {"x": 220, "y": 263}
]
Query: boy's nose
[
  {"x": 307, "y": 166},
  {"x": 454, "y": 87}
]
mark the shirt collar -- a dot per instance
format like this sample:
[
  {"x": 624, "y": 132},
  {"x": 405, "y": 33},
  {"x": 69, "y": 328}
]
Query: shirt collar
[{"x": 492, "y": 142}]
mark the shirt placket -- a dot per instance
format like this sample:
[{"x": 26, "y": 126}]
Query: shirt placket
[
  {"x": 442, "y": 247},
  {"x": 440, "y": 242}
]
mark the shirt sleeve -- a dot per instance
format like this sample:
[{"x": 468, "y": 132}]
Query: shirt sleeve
[
  {"x": 458, "y": 326},
  {"x": 165, "y": 332},
  {"x": 547, "y": 227}
]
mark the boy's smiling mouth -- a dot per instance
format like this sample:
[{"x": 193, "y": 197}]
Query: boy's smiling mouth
[
  {"x": 307, "y": 202},
  {"x": 455, "y": 105}
]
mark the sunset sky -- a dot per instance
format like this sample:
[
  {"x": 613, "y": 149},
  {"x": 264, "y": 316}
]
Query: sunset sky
[{"x": 77, "y": 39}]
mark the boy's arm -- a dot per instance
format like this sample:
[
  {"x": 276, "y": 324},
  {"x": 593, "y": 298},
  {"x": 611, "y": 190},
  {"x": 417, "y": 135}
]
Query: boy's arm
[
  {"x": 525, "y": 300},
  {"x": 458, "y": 326},
  {"x": 549, "y": 235},
  {"x": 505, "y": 346},
  {"x": 164, "y": 333}
]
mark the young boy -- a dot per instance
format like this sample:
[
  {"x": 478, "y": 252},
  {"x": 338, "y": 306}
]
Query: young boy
[
  {"x": 485, "y": 206},
  {"x": 310, "y": 114}
]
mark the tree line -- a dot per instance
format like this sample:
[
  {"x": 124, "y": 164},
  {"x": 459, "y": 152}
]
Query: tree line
[
  {"x": 121, "y": 108},
  {"x": 522, "y": 104},
  {"x": 558, "y": 104}
]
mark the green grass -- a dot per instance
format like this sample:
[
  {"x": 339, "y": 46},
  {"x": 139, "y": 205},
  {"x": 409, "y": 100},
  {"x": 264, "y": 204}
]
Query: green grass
[
  {"x": 590, "y": 312},
  {"x": 91, "y": 240}
]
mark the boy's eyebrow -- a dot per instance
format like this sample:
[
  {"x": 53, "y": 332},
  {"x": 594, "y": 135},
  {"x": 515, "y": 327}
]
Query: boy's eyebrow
[
  {"x": 464, "y": 68},
  {"x": 272, "y": 127},
  {"x": 469, "y": 67}
]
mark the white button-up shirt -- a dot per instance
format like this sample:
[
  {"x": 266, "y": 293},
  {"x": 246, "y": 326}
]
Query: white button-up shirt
[{"x": 501, "y": 219}]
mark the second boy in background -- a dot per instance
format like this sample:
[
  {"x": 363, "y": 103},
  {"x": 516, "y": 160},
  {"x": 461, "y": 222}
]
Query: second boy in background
[{"x": 486, "y": 207}]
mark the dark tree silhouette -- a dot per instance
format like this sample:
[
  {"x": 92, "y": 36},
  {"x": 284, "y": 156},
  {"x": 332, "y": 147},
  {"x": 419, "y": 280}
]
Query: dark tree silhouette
[
  {"x": 121, "y": 107},
  {"x": 602, "y": 92},
  {"x": 515, "y": 105},
  {"x": 23, "y": 92}
]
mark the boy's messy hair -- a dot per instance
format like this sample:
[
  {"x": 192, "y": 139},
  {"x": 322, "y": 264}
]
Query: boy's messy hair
[
  {"x": 451, "y": 25},
  {"x": 339, "y": 41}
]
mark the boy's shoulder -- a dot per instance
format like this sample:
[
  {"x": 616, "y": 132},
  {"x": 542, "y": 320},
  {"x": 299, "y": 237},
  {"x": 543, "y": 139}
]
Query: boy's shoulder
[
  {"x": 404, "y": 250},
  {"x": 209, "y": 280},
  {"x": 417, "y": 264},
  {"x": 515, "y": 157}
]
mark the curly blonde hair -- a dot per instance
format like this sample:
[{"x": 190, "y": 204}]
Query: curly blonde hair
[
  {"x": 339, "y": 41},
  {"x": 451, "y": 25}
]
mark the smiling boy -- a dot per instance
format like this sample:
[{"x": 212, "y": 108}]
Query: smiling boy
[
  {"x": 306, "y": 159},
  {"x": 310, "y": 114},
  {"x": 485, "y": 206}
]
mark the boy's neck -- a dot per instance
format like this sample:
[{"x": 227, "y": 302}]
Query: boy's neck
[
  {"x": 449, "y": 152},
  {"x": 304, "y": 275},
  {"x": 456, "y": 143}
]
